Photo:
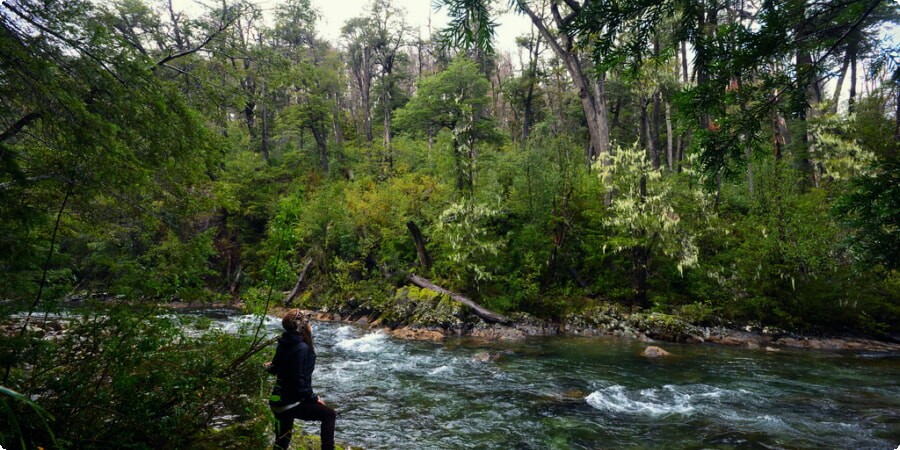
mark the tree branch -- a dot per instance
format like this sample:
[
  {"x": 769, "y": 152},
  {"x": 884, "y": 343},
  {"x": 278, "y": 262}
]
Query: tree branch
[
  {"x": 225, "y": 24},
  {"x": 75, "y": 44},
  {"x": 19, "y": 125}
]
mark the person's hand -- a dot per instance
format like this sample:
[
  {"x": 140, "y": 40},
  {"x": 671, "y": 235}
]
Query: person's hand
[
  {"x": 267, "y": 364},
  {"x": 319, "y": 401}
]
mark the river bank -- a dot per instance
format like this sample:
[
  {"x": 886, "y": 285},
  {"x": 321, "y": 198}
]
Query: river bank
[
  {"x": 417, "y": 316},
  {"x": 434, "y": 319}
]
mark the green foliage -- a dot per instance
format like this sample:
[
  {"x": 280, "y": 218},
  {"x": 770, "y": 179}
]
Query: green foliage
[
  {"x": 180, "y": 268},
  {"x": 33, "y": 414},
  {"x": 466, "y": 242},
  {"x": 871, "y": 209},
  {"x": 131, "y": 378},
  {"x": 837, "y": 153},
  {"x": 456, "y": 100},
  {"x": 642, "y": 209}
]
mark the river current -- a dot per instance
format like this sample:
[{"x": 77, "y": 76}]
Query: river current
[{"x": 590, "y": 393}]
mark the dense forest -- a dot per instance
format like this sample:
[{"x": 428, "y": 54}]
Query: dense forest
[{"x": 725, "y": 161}]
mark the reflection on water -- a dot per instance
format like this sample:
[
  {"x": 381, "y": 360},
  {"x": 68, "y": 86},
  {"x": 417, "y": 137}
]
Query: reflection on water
[{"x": 573, "y": 393}]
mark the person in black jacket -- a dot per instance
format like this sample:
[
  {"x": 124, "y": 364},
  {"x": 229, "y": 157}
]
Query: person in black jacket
[{"x": 293, "y": 397}]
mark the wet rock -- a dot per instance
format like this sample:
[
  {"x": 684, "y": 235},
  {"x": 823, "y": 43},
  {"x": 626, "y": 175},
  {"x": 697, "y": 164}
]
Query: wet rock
[
  {"x": 533, "y": 326},
  {"x": 417, "y": 334},
  {"x": 847, "y": 344},
  {"x": 695, "y": 340},
  {"x": 738, "y": 339},
  {"x": 497, "y": 332},
  {"x": 654, "y": 352},
  {"x": 485, "y": 357},
  {"x": 574, "y": 395},
  {"x": 773, "y": 349}
]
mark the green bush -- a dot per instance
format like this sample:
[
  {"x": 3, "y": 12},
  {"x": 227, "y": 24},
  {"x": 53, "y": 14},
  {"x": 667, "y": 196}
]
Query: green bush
[{"x": 130, "y": 378}]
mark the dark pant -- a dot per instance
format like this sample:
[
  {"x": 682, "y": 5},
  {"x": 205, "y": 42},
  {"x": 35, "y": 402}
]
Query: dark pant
[{"x": 308, "y": 410}]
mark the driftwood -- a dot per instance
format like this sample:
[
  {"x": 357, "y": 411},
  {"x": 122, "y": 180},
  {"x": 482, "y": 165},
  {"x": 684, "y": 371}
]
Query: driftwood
[
  {"x": 299, "y": 284},
  {"x": 487, "y": 315},
  {"x": 424, "y": 257}
]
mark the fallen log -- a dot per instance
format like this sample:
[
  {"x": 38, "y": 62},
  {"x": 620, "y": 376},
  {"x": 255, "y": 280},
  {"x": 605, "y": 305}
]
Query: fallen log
[{"x": 487, "y": 315}]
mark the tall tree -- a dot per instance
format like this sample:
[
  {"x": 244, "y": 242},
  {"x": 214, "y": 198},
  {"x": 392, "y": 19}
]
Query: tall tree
[
  {"x": 455, "y": 100},
  {"x": 471, "y": 23},
  {"x": 360, "y": 48}
]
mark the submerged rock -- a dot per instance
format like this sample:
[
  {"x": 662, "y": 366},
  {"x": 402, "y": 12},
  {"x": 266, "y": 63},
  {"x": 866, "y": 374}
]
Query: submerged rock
[
  {"x": 486, "y": 357},
  {"x": 654, "y": 352}
]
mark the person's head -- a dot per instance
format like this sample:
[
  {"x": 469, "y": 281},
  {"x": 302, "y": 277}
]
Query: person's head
[{"x": 296, "y": 322}]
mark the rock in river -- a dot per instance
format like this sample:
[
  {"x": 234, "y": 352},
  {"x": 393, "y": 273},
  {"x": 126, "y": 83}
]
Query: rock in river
[{"x": 654, "y": 352}]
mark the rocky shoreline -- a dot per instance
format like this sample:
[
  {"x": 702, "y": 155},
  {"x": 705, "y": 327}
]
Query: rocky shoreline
[
  {"x": 648, "y": 328},
  {"x": 434, "y": 318}
]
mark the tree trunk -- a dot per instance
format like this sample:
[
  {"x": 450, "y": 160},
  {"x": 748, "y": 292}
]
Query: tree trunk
[
  {"x": 654, "y": 132},
  {"x": 236, "y": 283},
  {"x": 486, "y": 314},
  {"x": 322, "y": 145},
  {"x": 851, "y": 102},
  {"x": 265, "y": 122},
  {"x": 654, "y": 122},
  {"x": 640, "y": 256},
  {"x": 336, "y": 121},
  {"x": 386, "y": 107},
  {"x": 591, "y": 91},
  {"x": 639, "y": 261},
  {"x": 424, "y": 258},
  {"x": 296, "y": 290},
  {"x": 669, "y": 151},
  {"x": 897, "y": 115},
  {"x": 836, "y": 97}
]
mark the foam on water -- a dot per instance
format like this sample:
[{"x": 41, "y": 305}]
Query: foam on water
[
  {"x": 656, "y": 401},
  {"x": 248, "y": 323},
  {"x": 441, "y": 370},
  {"x": 369, "y": 343}
]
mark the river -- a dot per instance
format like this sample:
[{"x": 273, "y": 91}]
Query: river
[{"x": 589, "y": 393}]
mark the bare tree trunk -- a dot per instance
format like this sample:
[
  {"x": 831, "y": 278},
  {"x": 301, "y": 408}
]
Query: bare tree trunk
[
  {"x": 236, "y": 283},
  {"x": 265, "y": 122},
  {"x": 591, "y": 91},
  {"x": 424, "y": 257},
  {"x": 296, "y": 290},
  {"x": 654, "y": 122},
  {"x": 336, "y": 121},
  {"x": 322, "y": 145},
  {"x": 897, "y": 115},
  {"x": 669, "y": 155},
  {"x": 836, "y": 97},
  {"x": 654, "y": 131},
  {"x": 851, "y": 102},
  {"x": 386, "y": 110}
]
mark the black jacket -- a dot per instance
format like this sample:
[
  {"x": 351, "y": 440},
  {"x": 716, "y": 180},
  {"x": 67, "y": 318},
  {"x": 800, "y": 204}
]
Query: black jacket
[{"x": 293, "y": 364}]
